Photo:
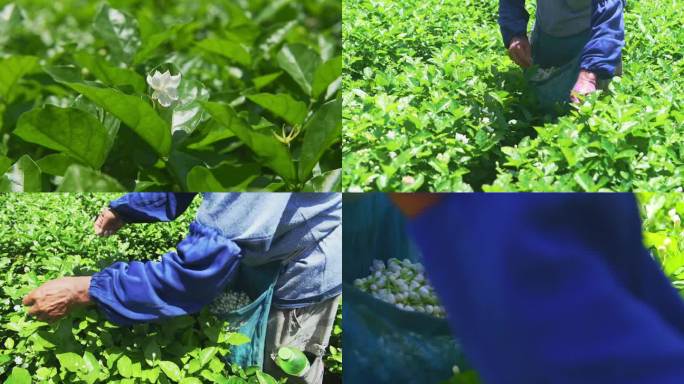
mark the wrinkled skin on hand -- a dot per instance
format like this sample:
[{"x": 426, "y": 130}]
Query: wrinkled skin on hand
[
  {"x": 107, "y": 223},
  {"x": 520, "y": 51},
  {"x": 587, "y": 82},
  {"x": 56, "y": 298}
]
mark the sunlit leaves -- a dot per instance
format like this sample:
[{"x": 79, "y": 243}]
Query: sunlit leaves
[
  {"x": 229, "y": 49},
  {"x": 300, "y": 63},
  {"x": 72, "y": 131},
  {"x": 282, "y": 105},
  {"x": 12, "y": 69},
  {"x": 133, "y": 111},
  {"x": 269, "y": 150},
  {"x": 276, "y": 66}
]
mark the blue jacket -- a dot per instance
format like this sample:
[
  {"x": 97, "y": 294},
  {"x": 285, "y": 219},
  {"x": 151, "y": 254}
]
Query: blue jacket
[
  {"x": 303, "y": 231},
  {"x": 553, "y": 288},
  {"x": 601, "y": 54}
]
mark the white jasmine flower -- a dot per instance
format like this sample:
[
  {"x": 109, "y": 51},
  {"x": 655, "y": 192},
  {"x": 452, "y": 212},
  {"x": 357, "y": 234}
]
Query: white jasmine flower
[
  {"x": 485, "y": 120},
  {"x": 165, "y": 87},
  {"x": 461, "y": 137},
  {"x": 228, "y": 302},
  {"x": 674, "y": 217},
  {"x": 18, "y": 360},
  {"x": 392, "y": 155},
  {"x": 391, "y": 135},
  {"x": 17, "y": 308}
]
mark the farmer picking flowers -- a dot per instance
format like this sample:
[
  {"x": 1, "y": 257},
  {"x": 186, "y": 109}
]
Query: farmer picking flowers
[
  {"x": 580, "y": 36},
  {"x": 299, "y": 234}
]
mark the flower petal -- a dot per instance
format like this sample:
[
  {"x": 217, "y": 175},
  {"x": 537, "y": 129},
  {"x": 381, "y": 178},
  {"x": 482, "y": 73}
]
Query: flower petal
[
  {"x": 165, "y": 100},
  {"x": 165, "y": 77},
  {"x": 174, "y": 81},
  {"x": 172, "y": 93},
  {"x": 155, "y": 80}
]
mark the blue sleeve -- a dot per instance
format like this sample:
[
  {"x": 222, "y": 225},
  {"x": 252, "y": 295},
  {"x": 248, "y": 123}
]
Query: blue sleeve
[
  {"x": 603, "y": 52},
  {"x": 513, "y": 18},
  {"x": 553, "y": 288},
  {"x": 181, "y": 283},
  {"x": 147, "y": 207}
]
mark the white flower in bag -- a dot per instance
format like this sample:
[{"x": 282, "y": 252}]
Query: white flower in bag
[{"x": 165, "y": 87}]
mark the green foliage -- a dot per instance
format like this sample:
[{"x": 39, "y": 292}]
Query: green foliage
[
  {"x": 73, "y": 89},
  {"x": 46, "y": 236},
  {"x": 333, "y": 360},
  {"x": 661, "y": 214},
  {"x": 433, "y": 103}
]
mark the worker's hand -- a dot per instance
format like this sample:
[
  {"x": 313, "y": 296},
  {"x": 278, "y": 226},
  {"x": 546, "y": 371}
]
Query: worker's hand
[
  {"x": 57, "y": 298},
  {"x": 107, "y": 223},
  {"x": 520, "y": 51},
  {"x": 412, "y": 204},
  {"x": 587, "y": 82}
]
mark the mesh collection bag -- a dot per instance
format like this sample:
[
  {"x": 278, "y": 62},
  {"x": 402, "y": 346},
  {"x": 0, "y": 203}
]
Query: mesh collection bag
[
  {"x": 384, "y": 343},
  {"x": 252, "y": 320},
  {"x": 557, "y": 65}
]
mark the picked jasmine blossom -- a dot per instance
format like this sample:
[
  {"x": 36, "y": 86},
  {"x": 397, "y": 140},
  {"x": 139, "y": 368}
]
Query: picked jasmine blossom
[
  {"x": 228, "y": 302},
  {"x": 403, "y": 284},
  {"x": 165, "y": 87}
]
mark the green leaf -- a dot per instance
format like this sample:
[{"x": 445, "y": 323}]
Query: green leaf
[
  {"x": 270, "y": 151},
  {"x": 152, "y": 42},
  {"x": 24, "y": 176},
  {"x": 125, "y": 366},
  {"x": 262, "y": 81},
  {"x": 206, "y": 355},
  {"x": 325, "y": 75},
  {"x": 224, "y": 178},
  {"x": 109, "y": 74},
  {"x": 5, "y": 163},
  {"x": 78, "y": 178},
  {"x": 12, "y": 69},
  {"x": 300, "y": 63},
  {"x": 283, "y": 106},
  {"x": 234, "y": 338},
  {"x": 71, "y": 361},
  {"x": 330, "y": 181},
  {"x": 152, "y": 352},
  {"x": 133, "y": 111},
  {"x": 92, "y": 367},
  {"x": 69, "y": 130},
  {"x": 228, "y": 49},
  {"x": 119, "y": 31},
  {"x": 323, "y": 129},
  {"x": 56, "y": 164},
  {"x": 19, "y": 376},
  {"x": 188, "y": 112},
  {"x": 191, "y": 380},
  {"x": 171, "y": 370},
  {"x": 265, "y": 378}
]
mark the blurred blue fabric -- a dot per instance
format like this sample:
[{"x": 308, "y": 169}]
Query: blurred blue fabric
[{"x": 553, "y": 288}]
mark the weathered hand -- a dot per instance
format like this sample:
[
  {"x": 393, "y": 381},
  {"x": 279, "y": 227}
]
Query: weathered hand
[
  {"x": 587, "y": 82},
  {"x": 57, "y": 298},
  {"x": 107, "y": 223},
  {"x": 412, "y": 204},
  {"x": 520, "y": 51}
]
